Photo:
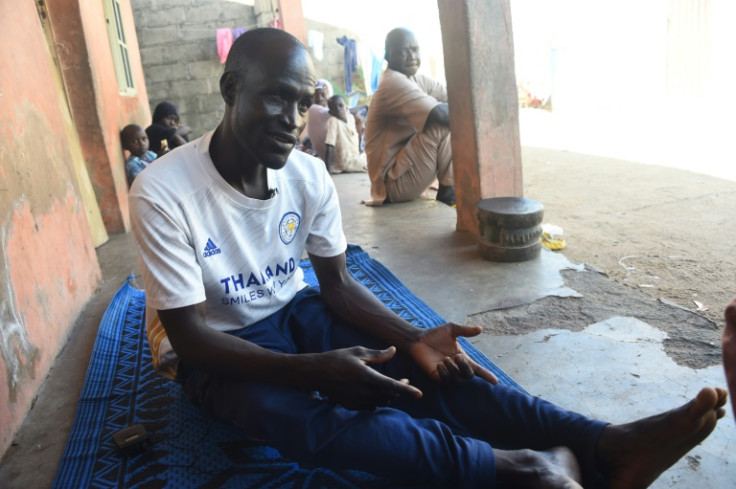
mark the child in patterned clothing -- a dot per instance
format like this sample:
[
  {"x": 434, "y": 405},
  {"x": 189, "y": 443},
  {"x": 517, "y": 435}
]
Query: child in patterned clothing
[{"x": 135, "y": 141}]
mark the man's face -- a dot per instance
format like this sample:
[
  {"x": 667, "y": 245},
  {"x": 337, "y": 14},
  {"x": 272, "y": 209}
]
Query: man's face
[
  {"x": 337, "y": 108},
  {"x": 320, "y": 97},
  {"x": 272, "y": 99},
  {"x": 403, "y": 54},
  {"x": 171, "y": 120},
  {"x": 137, "y": 143}
]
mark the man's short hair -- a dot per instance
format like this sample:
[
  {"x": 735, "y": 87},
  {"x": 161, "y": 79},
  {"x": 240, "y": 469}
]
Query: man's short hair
[
  {"x": 246, "y": 48},
  {"x": 391, "y": 37}
]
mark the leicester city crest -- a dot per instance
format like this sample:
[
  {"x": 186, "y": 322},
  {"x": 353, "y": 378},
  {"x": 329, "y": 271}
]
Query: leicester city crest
[{"x": 288, "y": 227}]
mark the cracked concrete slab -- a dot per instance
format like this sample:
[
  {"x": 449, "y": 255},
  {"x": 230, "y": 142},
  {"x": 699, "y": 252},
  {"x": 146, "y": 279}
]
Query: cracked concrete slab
[{"x": 617, "y": 370}]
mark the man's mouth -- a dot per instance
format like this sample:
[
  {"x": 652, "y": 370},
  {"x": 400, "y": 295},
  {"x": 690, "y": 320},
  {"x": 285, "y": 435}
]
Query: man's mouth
[{"x": 284, "y": 138}]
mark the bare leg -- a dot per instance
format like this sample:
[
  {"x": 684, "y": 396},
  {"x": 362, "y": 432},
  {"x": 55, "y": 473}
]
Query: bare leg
[
  {"x": 556, "y": 468},
  {"x": 633, "y": 455}
]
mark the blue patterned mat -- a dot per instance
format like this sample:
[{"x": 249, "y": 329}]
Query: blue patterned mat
[{"x": 189, "y": 449}]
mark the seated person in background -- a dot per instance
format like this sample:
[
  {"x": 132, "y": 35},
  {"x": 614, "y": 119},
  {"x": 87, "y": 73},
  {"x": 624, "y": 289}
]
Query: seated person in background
[
  {"x": 729, "y": 350},
  {"x": 342, "y": 142},
  {"x": 135, "y": 141},
  {"x": 407, "y": 136},
  {"x": 328, "y": 375},
  {"x": 317, "y": 117},
  {"x": 166, "y": 127}
]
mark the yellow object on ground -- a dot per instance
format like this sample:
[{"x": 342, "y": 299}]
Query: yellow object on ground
[{"x": 552, "y": 237}]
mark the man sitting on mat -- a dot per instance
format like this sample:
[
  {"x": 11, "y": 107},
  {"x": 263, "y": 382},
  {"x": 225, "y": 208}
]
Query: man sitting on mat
[
  {"x": 407, "y": 133},
  {"x": 330, "y": 376}
]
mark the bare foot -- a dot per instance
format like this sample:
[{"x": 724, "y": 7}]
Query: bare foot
[
  {"x": 556, "y": 468},
  {"x": 633, "y": 455},
  {"x": 371, "y": 203}
]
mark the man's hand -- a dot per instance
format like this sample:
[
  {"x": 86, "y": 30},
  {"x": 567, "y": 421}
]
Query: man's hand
[
  {"x": 346, "y": 378},
  {"x": 440, "y": 356}
]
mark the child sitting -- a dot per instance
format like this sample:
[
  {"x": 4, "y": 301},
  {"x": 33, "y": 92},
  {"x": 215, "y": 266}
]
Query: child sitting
[
  {"x": 135, "y": 141},
  {"x": 342, "y": 141},
  {"x": 166, "y": 132}
]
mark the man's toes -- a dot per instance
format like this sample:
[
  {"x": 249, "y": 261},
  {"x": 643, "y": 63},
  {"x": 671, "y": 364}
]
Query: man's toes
[
  {"x": 706, "y": 400},
  {"x": 722, "y": 397}
]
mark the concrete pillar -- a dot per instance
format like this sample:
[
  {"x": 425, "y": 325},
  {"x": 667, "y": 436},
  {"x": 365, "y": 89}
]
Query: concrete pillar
[
  {"x": 292, "y": 19},
  {"x": 484, "y": 106}
]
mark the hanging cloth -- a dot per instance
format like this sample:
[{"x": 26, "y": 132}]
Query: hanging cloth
[
  {"x": 351, "y": 60},
  {"x": 315, "y": 40},
  {"x": 224, "y": 43}
]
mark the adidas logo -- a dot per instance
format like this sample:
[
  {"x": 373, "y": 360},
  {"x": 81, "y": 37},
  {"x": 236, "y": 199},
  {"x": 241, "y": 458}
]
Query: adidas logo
[{"x": 211, "y": 249}]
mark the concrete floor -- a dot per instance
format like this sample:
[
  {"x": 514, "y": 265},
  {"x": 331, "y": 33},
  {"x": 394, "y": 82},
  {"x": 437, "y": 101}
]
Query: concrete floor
[{"x": 614, "y": 369}]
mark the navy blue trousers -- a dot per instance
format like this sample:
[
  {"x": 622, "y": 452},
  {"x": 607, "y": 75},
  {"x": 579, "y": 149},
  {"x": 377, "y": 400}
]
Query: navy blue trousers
[{"x": 446, "y": 438}]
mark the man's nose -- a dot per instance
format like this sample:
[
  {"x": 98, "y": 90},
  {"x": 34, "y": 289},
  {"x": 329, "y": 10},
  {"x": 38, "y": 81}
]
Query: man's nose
[{"x": 290, "y": 116}]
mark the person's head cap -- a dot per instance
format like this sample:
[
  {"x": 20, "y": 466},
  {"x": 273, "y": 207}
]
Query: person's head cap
[
  {"x": 323, "y": 84},
  {"x": 164, "y": 109}
]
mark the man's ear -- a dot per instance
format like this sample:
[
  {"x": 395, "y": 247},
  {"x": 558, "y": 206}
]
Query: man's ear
[{"x": 228, "y": 87}]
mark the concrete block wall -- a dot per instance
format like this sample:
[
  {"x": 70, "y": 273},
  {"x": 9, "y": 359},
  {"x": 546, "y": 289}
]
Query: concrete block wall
[{"x": 178, "y": 47}]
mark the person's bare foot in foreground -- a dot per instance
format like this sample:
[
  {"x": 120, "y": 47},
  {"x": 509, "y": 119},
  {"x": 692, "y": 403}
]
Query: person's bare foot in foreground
[
  {"x": 556, "y": 468},
  {"x": 633, "y": 455}
]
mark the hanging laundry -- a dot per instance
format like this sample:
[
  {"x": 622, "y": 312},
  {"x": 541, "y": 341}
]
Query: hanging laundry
[
  {"x": 315, "y": 40},
  {"x": 351, "y": 61},
  {"x": 376, "y": 69},
  {"x": 371, "y": 67},
  {"x": 239, "y": 31},
  {"x": 225, "y": 39},
  {"x": 224, "y": 43}
]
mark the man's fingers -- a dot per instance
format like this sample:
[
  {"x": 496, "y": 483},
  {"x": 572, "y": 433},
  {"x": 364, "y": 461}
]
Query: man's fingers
[
  {"x": 452, "y": 368},
  {"x": 466, "y": 331},
  {"x": 464, "y": 368},
  {"x": 484, "y": 374},
  {"x": 408, "y": 389},
  {"x": 378, "y": 356},
  {"x": 443, "y": 372}
]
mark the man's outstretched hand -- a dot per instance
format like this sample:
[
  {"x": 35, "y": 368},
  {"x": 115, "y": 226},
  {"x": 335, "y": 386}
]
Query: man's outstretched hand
[
  {"x": 347, "y": 379},
  {"x": 440, "y": 356}
]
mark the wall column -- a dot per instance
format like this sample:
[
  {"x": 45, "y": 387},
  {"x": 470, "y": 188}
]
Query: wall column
[
  {"x": 292, "y": 19},
  {"x": 484, "y": 106}
]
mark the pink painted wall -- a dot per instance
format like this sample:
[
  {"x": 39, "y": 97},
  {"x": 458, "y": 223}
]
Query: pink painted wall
[
  {"x": 48, "y": 266},
  {"x": 50, "y": 119}
]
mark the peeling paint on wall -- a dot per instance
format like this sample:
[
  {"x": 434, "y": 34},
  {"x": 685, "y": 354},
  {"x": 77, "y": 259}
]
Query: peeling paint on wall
[{"x": 17, "y": 352}]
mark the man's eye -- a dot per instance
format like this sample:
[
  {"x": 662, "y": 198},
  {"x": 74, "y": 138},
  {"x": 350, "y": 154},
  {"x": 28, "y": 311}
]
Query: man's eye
[
  {"x": 304, "y": 106},
  {"x": 274, "y": 98}
]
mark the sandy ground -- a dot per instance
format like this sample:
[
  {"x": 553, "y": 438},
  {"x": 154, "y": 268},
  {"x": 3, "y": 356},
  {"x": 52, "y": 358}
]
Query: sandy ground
[{"x": 664, "y": 230}]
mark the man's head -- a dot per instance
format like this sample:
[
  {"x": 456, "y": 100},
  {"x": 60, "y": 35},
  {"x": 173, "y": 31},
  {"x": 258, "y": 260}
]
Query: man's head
[
  {"x": 337, "y": 107},
  {"x": 166, "y": 114},
  {"x": 402, "y": 51},
  {"x": 322, "y": 91},
  {"x": 268, "y": 86},
  {"x": 134, "y": 139}
]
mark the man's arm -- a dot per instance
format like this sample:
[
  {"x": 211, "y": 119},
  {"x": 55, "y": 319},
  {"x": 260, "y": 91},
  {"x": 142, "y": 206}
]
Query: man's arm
[
  {"x": 358, "y": 108},
  {"x": 183, "y": 131},
  {"x": 176, "y": 140},
  {"x": 436, "y": 350},
  {"x": 439, "y": 115},
  {"x": 342, "y": 375},
  {"x": 329, "y": 151}
]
